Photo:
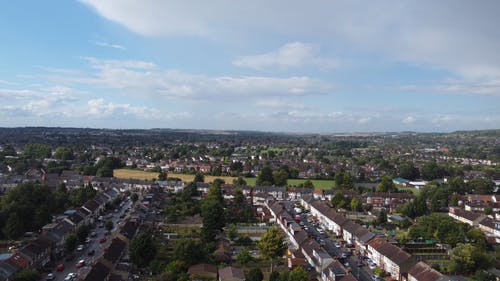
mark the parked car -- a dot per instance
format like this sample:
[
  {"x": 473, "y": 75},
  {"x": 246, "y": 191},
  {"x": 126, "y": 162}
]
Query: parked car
[
  {"x": 79, "y": 248},
  {"x": 103, "y": 240},
  {"x": 70, "y": 277},
  {"x": 93, "y": 234},
  {"x": 80, "y": 263},
  {"x": 338, "y": 245},
  {"x": 91, "y": 253},
  {"x": 50, "y": 276},
  {"x": 60, "y": 267}
]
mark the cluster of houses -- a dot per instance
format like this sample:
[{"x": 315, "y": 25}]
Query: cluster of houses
[
  {"x": 474, "y": 215},
  {"x": 383, "y": 251},
  {"x": 46, "y": 247}
]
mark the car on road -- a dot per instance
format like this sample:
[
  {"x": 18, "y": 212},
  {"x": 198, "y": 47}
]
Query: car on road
[
  {"x": 91, "y": 253},
  {"x": 60, "y": 267},
  {"x": 376, "y": 277},
  {"x": 70, "y": 277},
  {"x": 79, "y": 248},
  {"x": 371, "y": 265},
  {"x": 103, "y": 240},
  {"x": 80, "y": 264},
  {"x": 50, "y": 276},
  {"x": 338, "y": 245}
]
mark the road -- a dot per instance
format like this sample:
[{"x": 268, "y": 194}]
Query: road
[
  {"x": 362, "y": 273},
  {"x": 70, "y": 266}
]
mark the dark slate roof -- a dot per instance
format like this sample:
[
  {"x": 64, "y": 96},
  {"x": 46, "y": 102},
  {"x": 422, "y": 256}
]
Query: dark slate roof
[
  {"x": 423, "y": 272},
  {"x": 115, "y": 250},
  {"x": 99, "y": 272},
  {"x": 231, "y": 273},
  {"x": 91, "y": 205}
]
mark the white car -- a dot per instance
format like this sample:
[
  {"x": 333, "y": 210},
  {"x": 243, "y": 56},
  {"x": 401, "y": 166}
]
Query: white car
[
  {"x": 337, "y": 244},
  {"x": 79, "y": 248},
  {"x": 70, "y": 277}
]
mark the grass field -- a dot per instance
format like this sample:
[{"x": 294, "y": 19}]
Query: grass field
[{"x": 141, "y": 175}]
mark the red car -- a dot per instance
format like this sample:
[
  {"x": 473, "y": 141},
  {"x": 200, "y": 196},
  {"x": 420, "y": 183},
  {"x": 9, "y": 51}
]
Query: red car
[
  {"x": 60, "y": 267},
  {"x": 103, "y": 240}
]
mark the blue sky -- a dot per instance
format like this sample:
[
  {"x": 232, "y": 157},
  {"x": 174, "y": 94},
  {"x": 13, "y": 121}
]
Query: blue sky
[{"x": 294, "y": 66}]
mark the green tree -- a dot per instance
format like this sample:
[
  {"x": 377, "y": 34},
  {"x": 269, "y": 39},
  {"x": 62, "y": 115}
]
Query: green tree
[
  {"x": 307, "y": 184},
  {"x": 27, "y": 275},
  {"x": 70, "y": 243},
  {"x": 298, "y": 274},
  {"x": 199, "y": 178},
  {"x": 255, "y": 274},
  {"x": 64, "y": 153},
  {"x": 482, "y": 275},
  {"x": 338, "y": 200},
  {"x": 188, "y": 251},
  {"x": 280, "y": 178},
  {"x": 239, "y": 182},
  {"x": 14, "y": 227},
  {"x": 386, "y": 185},
  {"x": 82, "y": 232},
  {"x": 265, "y": 176},
  {"x": 134, "y": 197},
  {"x": 162, "y": 176},
  {"x": 109, "y": 225},
  {"x": 382, "y": 217},
  {"x": 477, "y": 237},
  {"x": 430, "y": 170},
  {"x": 142, "y": 249},
  {"x": 275, "y": 276},
  {"x": 339, "y": 179},
  {"x": 37, "y": 151},
  {"x": 244, "y": 256},
  {"x": 408, "y": 171},
  {"x": 356, "y": 205},
  {"x": 347, "y": 182},
  {"x": 466, "y": 258},
  {"x": 232, "y": 232},
  {"x": 272, "y": 245},
  {"x": 212, "y": 213},
  {"x": 481, "y": 186}
]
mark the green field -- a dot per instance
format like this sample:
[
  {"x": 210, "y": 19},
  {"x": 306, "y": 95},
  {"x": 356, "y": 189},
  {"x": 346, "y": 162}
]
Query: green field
[{"x": 136, "y": 174}]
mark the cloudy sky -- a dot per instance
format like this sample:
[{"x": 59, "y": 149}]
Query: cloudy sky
[{"x": 295, "y": 66}]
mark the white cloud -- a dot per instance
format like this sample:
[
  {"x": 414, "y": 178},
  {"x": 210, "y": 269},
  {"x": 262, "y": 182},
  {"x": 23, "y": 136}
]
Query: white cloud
[
  {"x": 109, "y": 45},
  {"x": 290, "y": 55},
  {"x": 409, "y": 120},
  {"x": 145, "y": 79},
  {"x": 458, "y": 36}
]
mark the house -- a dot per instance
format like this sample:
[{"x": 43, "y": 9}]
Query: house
[
  {"x": 99, "y": 272},
  {"x": 308, "y": 248},
  {"x": 390, "y": 258},
  {"x": 349, "y": 231},
  {"x": 423, "y": 272},
  {"x": 334, "y": 272},
  {"x": 467, "y": 217},
  {"x": 386, "y": 200},
  {"x": 113, "y": 253},
  {"x": 7, "y": 270},
  {"x": 231, "y": 273},
  {"x": 202, "y": 271},
  {"x": 321, "y": 260},
  {"x": 38, "y": 252},
  {"x": 94, "y": 209}
]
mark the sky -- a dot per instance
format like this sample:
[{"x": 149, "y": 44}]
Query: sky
[{"x": 283, "y": 65}]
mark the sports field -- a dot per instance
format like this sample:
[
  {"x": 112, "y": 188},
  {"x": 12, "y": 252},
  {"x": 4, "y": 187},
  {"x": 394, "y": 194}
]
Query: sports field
[{"x": 141, "y": 175}]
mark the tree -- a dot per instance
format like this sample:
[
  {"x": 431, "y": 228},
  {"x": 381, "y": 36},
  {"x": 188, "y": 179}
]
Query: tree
[
  {"x": 142, "y": 249},
  {"x": 477, "y": 237},
  {"x": 255, "y": 274},
  {"x": 199, "y": 178},
  {"x": 347, "y": 182},
  {"x": 64, "y": 153},
  {"x": 356, "y": 204},
  {"x": 236, "y": 166},
  {"x": 27, "y": 275},
  {"x": 188, "y": 251},
  {"x": 82, "y": 232},
  {"x": 109, "y": 225},
  {"x": 338, "y": 200},
  {"x": 232, "y": 232},
  {"x": 382, "y": 217},
  {"x": 212, "y": 213},
  {"x": 239, "y": 182},
  {"x": 307, "y": 184},
  {"x": 265, "y": 176},
  {"x": 466, "y": 258},
  {"x": 430, "y": 170},
  {"x": 408, "y": 171},
  {"x": 272, "y": 245},
  {"x": 14, "y": 227},
  {"x": 134, "y": 197},
  {"x": 482, "y": 275},
  {"x": 275, "y": 276},
  {"x": 244, "y": 256},
  {"x": 70, "y": 243},
  {"x": 481, "y": 186},
  {"x": 162, "y": 176},
  {"x": 386, "y": 185},
  {"x": 298, "y": 274},
  {"x": 280, "y": 177}
]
